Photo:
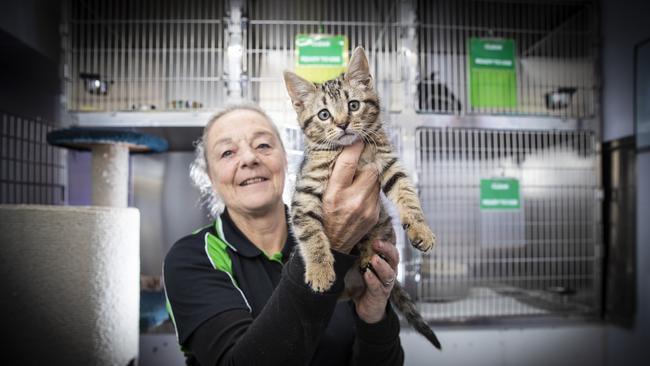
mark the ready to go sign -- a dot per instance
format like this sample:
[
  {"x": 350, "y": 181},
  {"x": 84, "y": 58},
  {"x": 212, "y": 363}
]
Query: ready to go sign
[
  {"x": 492, "y": 73},
  {"x": 500, "y": 193},
  {"x": 321, "y": 57}
]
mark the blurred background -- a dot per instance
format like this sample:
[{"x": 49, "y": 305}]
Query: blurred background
[{"x": 525, "y": 125}]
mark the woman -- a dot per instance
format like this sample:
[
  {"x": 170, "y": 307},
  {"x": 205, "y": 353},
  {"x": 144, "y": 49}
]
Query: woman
[{"x": 235, "y": 291}]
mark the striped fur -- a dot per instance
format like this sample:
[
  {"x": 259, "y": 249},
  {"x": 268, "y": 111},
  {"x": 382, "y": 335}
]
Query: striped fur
[{"x": 324, "y": 139}]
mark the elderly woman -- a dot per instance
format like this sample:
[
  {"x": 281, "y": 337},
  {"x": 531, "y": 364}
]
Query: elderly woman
[{"x": 236, "y": 290}]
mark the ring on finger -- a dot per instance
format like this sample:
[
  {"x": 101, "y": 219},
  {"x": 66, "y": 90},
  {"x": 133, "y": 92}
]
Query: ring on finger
[{"x": 389, "y": 282}]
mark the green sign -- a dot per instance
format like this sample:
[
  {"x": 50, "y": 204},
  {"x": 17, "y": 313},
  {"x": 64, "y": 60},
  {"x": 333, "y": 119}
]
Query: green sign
[
  {"x": 500, "y": 193},
  {"x": 493, "y": 76},
  {"x": 321, "y": 57}
]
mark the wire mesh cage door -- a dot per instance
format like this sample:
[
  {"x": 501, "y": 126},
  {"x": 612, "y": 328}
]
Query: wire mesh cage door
[
  {"x": 31, "y": 170},
  {"x": 553, "y": 56},
  {"x": 270, "y": 44},
  {"x": 538, "y": 256},
  {"x": 143, "y": 56}
]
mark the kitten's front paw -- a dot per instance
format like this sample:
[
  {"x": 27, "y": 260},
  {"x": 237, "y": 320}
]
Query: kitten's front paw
[
  {"x": 420, "y": 236},
  {"x": 320, "y": 277}
]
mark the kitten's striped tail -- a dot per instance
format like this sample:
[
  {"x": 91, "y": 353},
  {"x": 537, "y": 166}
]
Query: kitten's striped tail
[{"x": 403, "y": 302}]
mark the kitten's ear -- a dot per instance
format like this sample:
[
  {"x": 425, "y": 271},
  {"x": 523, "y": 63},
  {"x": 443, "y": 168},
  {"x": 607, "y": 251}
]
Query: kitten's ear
[
  {"x": 358, "y": 70},
  {"x": 299, "y": 89}
]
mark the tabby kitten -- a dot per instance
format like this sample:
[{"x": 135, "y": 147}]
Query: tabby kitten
[{"x": 332, "y": 115}]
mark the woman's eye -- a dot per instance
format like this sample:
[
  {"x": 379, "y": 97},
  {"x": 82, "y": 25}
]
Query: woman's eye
[
  {"x": 226, "y": 153},
  {"x": 354, "y": 105},
  {"x": 263, "y": 146},
  {"x": 324, "y": 114}
]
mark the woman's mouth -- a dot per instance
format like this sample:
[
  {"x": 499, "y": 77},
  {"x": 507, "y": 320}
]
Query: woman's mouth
[{"x": 250, "y": 181}]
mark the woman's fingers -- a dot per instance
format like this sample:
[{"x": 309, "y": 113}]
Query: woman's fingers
[
  {"x": 381, "y": 278},
  {"x": 388, "y": 251},
  {"x": 345, "y": 167},
  {"x": 384, "y": 272},
  {"x": 376, "y": 287}
]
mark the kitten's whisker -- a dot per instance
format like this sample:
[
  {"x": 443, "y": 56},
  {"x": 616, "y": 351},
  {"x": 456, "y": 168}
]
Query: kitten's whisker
[
  {"x": 364, "y": 137},
  {"x": 367, "y": 137},
  {"x": 324, "y": 141},
  {"x": 377, "y": 135}
]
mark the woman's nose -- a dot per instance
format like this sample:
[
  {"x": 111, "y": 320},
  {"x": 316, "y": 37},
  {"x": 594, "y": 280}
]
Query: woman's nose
[{"x": 248, "y": 157}]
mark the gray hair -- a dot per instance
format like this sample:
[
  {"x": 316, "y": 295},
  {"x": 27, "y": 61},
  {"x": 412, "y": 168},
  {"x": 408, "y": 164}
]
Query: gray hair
[{"x": 199, "y": 170}]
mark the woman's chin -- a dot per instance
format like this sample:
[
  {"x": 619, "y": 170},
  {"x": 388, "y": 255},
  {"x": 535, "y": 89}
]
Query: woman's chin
[{"x": 258, "y": 203}]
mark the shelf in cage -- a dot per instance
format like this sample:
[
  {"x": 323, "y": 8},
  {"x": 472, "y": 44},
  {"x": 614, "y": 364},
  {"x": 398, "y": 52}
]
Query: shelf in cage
[
  {"x": 499, "y": 301},
  {"x": 189, "y": 118}
]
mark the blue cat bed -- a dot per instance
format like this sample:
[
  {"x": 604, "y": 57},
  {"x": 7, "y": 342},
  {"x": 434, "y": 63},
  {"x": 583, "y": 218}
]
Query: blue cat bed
[
  {"x": 152, "y": 310},
  {"x": 85, "y": 138},
  {"x": 110, "y": 158}
]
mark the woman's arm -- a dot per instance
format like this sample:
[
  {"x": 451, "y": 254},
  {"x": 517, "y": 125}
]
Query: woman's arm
[
  {"x": 378, "y": 344},
  {"x": 377, "y": 325},
  {"x": 350, "y": 205},
  {"x": 286, "y": 332}
]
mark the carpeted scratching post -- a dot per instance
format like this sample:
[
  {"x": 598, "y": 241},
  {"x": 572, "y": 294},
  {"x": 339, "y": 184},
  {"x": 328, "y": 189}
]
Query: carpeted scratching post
[
  {"x": 71, "y": 274},
  {"x": 71, "y": 277},
  {"x": 110, "y": 158}
]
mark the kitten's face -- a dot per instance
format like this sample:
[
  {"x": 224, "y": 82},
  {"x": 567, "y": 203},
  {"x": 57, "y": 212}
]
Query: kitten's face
[{"x": 339, "y": 111}]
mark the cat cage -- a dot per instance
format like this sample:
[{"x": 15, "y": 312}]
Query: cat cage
[
  {"x": 172, "y": 60},
  {"x": 143, "y": 56},
  {"x": 31, "y": 170},
  {"x": 534, "y": 247},
  {"x": 542, "y": 258}
]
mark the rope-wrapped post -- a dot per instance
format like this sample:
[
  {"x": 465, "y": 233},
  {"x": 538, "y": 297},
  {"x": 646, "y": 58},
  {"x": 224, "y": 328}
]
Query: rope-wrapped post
[
  {"x": 110, "y": 164},
  {"x": 71, "y": 274},
  {"x": 110, "y": 158},
  {"x": 70, "y": 281}
]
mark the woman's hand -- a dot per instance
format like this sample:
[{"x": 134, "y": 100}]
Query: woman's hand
[
  {"x": 371, "y": 305},
  {"x": 350, "y": 204}
]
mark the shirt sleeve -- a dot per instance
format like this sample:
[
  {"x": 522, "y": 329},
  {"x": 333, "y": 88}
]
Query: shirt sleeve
[
  {"x": 379, "y": 343},
  {"x": 287, "y": 330}
]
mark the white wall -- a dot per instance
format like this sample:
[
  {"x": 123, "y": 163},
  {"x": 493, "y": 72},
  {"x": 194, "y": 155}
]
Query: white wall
[
  {"x": 515, "y": 346},
  {"x": 624, "y": 24}
]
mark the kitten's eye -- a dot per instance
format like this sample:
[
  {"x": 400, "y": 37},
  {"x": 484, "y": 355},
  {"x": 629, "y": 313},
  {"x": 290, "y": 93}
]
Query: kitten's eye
[
  {"x": 324, "y": 114},
  {"x": 354, "y": 105}
]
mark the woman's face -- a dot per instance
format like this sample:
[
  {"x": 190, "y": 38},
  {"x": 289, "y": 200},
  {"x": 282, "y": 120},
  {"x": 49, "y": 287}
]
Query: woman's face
[{"x": 246, "y": 162}]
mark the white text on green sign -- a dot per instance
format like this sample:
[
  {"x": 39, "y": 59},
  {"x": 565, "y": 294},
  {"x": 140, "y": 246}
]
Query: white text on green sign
[
  {"x": 500, "y": 193},
  {"x": 492, "y": 73},
  {"x": 320, "y": 50}
]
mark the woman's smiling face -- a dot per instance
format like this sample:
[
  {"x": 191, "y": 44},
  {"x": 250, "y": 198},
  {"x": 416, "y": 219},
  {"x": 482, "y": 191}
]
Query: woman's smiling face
[{"x": 246, "y": 162}]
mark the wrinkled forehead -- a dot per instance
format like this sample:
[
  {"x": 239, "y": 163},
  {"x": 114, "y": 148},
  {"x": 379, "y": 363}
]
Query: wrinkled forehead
[{"x": 239, "y": 125}]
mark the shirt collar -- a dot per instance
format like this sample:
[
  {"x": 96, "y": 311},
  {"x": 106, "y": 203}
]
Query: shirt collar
[{"x": 230, "y": 233}]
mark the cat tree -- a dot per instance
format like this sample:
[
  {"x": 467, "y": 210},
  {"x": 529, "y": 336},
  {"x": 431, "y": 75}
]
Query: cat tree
[{"x": 73, "y": 272}]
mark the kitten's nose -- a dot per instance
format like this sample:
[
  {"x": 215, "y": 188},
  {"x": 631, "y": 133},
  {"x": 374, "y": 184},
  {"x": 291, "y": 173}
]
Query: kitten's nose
[{"x": 343, "y": 126}]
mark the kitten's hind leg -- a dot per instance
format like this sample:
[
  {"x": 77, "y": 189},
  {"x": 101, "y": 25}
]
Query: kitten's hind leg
[{"x": 383, "y": 230}]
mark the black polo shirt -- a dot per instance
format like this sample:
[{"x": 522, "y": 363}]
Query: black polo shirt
[{"x": 233, "y": 304}]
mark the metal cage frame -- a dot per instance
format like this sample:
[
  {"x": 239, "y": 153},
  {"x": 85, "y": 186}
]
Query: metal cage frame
[{"x": 213, "y": 53}]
